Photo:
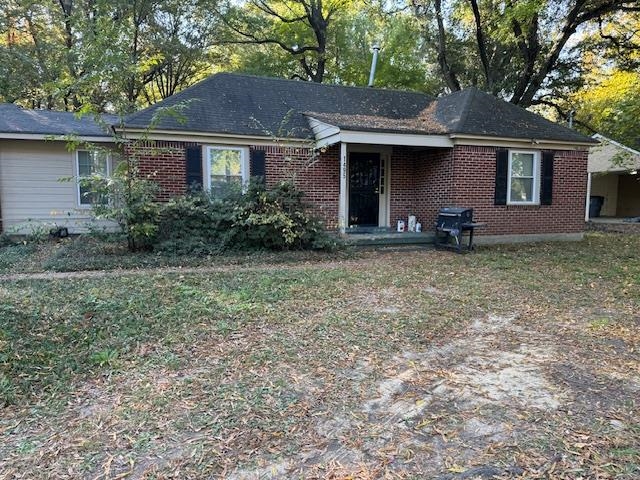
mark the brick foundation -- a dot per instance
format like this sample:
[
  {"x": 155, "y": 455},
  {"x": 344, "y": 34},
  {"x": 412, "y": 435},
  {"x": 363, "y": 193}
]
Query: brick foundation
[{"x": 421, "y": 182}]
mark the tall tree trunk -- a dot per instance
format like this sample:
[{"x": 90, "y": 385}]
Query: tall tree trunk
[
  {"x": 482, "y": 46},
  {"x": 447, "y": 72}
]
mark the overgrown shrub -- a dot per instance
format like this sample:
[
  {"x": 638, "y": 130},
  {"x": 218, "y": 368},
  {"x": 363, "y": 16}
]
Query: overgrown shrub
[
  {"x": 195, "y": 224},
  {"x": 6, "y": 240},
  {"x": 274, "y": 219},
  {"x": 130, "y": 200}
]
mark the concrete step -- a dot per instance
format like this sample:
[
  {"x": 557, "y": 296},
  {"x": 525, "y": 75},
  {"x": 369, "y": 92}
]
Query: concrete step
[{"x": 389, "y": 238}]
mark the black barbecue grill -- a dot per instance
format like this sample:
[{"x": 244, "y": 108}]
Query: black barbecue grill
[{"x": 451, "y": 225}]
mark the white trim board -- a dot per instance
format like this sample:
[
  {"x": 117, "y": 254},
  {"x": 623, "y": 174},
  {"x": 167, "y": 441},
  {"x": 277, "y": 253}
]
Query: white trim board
[
  {"x": 54, "y": 138},
  {"x": 327, "y": 134},
  {"x": 480, "y": 141},
  {"x": 212, "y": 138},
  {"x": 536, "y": 180},
  {"x": 604, "y": 139}
]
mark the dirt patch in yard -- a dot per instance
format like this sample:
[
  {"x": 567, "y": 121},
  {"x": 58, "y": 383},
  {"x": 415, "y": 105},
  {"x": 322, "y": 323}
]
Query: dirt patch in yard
[
  {"x": 445, "y": 412},
  {"x": 458, "y": 402}
]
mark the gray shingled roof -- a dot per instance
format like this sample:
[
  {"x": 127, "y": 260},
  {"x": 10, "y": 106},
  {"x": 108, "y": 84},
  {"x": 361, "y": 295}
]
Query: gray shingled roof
[
  {"x": 228, "y": 103},
  {"x": 16, "y": 120}
]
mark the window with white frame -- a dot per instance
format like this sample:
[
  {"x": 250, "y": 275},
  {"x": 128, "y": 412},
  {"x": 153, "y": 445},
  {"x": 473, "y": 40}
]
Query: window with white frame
[
  {"x": 524, "y": 177},
  {"x": 91, "y": 165},
  {"x": 226, "y": 166}
]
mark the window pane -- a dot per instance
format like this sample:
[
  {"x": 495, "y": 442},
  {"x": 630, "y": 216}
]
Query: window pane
[
  {"x": 522, "y": 165},
  {"x": 92, "y": 163},
  {"x": 89, "y": 164},
  {"x": 89, "y": 197},
  {"x": 225, "y": 162},
  {"x": 521, "y": 190}
]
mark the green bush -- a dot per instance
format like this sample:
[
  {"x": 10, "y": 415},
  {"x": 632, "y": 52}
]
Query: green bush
[
  {"x": 130, "y": 200},
  {"x": 194, "y": 224},
  {"x": 6, "y": 240},
  {"x": 274, "y": 219}
]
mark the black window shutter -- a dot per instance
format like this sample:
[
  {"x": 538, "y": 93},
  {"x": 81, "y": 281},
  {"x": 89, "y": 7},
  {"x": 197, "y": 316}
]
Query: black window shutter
[
  {"x": 257, "y": 167},
  {"x": 502, "y": 172},
  {"x": 546, "y": 184},
  {"x": 194, "y": 167}
]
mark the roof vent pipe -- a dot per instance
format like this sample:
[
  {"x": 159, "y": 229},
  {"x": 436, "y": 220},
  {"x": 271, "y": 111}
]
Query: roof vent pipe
[{"x": 374, "y": 62}]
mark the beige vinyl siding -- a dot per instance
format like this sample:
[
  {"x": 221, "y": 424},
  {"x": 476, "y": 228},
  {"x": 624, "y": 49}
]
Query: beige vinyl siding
[
  {"x": 606, "y": 185},
  {"x": 600, "y": 159},
  {"x": 31, "y": 193}
]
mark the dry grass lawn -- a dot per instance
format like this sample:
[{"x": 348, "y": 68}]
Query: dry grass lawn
[{"x": 513, "y": 362}]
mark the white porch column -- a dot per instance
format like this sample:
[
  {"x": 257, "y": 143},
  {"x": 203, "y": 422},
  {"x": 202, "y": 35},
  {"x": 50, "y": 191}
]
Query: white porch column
[
  {"x": 342, "y": 205},
  {"x": 586, "y": 211}
]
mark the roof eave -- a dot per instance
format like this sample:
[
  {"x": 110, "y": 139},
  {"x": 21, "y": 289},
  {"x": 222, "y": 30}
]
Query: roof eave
[
  {"x": 135, "y": 133},
  {"x": 488, "y": 140},
  {"x": 601, "y": 138},
  {"x": 56, "y": 137}
]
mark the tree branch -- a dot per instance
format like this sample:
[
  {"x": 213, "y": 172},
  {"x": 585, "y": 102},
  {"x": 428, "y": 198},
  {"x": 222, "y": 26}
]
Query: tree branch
[
  {"x": 262, "y": 5},
  {"x": 563, "y": 113},
  {"x": 576, "y": 17}
]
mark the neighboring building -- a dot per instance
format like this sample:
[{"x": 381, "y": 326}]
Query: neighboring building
[
  {"x": 613, "y": 171},
  {"x": 365, "y": 157},
  {"x": 35, "y": 161}
]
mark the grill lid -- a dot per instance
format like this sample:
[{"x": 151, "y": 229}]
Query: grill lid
[{"x": 454, "y": 210}]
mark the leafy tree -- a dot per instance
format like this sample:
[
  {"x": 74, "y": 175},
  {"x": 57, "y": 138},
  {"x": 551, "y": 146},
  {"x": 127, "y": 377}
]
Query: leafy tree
[
  {"x": 299, "y": 28},
  {"x": 610, "y": 105},
  {"x": 349, "y": 36},
  {"x": 514, "y": 49},
  {"x": 102, "y": 54}
]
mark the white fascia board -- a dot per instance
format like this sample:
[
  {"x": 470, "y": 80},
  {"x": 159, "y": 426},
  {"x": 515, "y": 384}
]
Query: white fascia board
[
  {"x": 403, "y": 139},
  {"x": 322, "y": 129},
  {"x": 604, "y": 139},
  {"x": 328, "y": 141},
  {"x": 476, "y": 140},
  {"x": 210, "y": 138},
  {"x": 54, "y": 138}
]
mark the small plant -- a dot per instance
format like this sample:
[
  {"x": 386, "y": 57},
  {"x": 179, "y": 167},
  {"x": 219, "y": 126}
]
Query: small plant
[
  {"x": 127, "y": 197},
  {"x": 104, "y": 358},
  {"x": 7, "y": 391},
  {"x": 6, "y": 240},
  {"x": 32, "y": 231},
  {"x": 275, "y": 219},
  {"x": 599, "y": 323}
]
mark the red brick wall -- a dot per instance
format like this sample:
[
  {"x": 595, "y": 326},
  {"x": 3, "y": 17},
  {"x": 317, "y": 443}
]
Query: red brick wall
[
  {"x": 435, "y": 184},
  {"x": 402, "y": 185},
  {"x": 421, "y": 183},
  {"x": 318, "y": 177},
  {"x": 474, "y": 184},
  {"x": 162, "y": 162}
]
